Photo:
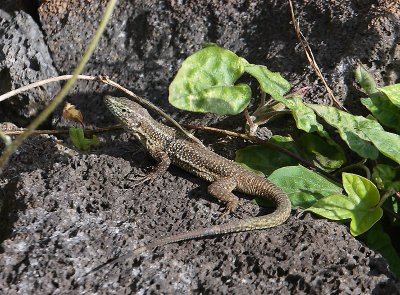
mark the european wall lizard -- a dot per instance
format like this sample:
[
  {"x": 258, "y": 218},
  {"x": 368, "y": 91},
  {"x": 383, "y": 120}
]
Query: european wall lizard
[{"x": 169, "y": 146}]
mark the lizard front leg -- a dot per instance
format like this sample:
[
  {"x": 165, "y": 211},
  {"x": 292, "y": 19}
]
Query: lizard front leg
[
  {"x": 163, "y": 163},
  {"x": 222, "y": 190}
]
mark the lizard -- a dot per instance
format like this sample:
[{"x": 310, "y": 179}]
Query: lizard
[{"x": 169, "y": 146}]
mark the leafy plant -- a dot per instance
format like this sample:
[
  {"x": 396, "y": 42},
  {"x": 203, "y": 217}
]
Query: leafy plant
[
  {"x": 360, "y": 205},
  {"x": 76, "y": 135},
  {"x": 78, "y": 139},
  {"x": 206, "y": 83}
]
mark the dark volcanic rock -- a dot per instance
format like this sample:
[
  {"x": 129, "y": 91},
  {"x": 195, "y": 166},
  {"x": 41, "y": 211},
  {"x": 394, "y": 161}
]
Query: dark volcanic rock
[
  {"x": 65, "y": 213},
  {"x": 146, "y": 41},
  {"x": 24, "y": 59},
  {"x": 65, "y": 220}
]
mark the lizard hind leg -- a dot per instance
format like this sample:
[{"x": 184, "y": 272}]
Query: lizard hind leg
[{"x": 222, "y": 190}]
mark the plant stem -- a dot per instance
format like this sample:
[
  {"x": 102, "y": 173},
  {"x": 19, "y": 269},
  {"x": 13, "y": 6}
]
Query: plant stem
[
  {"x": 386, "y": 195},
  {"x": 356, "y": 165}
]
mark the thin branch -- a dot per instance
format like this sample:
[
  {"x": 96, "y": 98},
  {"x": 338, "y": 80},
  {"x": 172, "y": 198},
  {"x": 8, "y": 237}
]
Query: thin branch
[
  {"x": 252, "y": 127},
  {"x": 65, "y": 131},
  {"x": 43, "y": 82},
  {"x": 311, "y": 59}
]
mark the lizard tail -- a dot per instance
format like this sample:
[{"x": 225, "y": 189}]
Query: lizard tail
[
  {"x": 279, "y": 216},
  {"x": 268, "y": 190}
]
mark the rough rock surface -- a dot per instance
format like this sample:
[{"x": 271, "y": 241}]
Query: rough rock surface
[
  {"x": 24, "y": 59},
  {"x": 68, "y": 216},
  {"x": 146, "y": 41},
  {"x": 64, "y": 213}
]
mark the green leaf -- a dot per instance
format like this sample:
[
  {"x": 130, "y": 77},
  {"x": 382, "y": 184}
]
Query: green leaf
[
  {"x": 387, "y": 143},
  {"x": 334, "y": 207},
  {"x": 79, "y": 141},
  {"x": 205, "y": 83},
  {"x": 349, "y": 129},
  {"x": 384, "y": 110},
  {"x": 306, "y": 119},
  {"x": 379, "y": 241},
  {"x": 384, "y": 102},
  {"x": 366, "y": 80},
  {"x": 393, "y": 93},
  {"x": 360, "y": 189},
  {"x": 393, "y": 203},
  {"x": 266, "y": 160},
  {"x": 303, "y": 186},
  {"x": 304, "y": 116},
  {"x": 223, "y": 100},
  {"x": 359, "y": 205},
  {"x": 270, "y": 82},
  {"x": 322, "y": 153}
]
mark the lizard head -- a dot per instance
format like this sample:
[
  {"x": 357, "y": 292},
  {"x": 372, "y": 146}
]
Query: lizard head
[{"x": 132, "y": 115}]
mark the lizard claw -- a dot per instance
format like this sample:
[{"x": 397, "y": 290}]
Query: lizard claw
[
  {"x": 141, "y": 178},
  {"x": 224, "y": 213},
  {"x": 229, "y": 209}
]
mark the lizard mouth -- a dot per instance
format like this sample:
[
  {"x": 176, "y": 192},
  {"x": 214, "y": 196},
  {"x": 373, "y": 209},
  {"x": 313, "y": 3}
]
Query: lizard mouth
[{"x": 110, "y": 102}]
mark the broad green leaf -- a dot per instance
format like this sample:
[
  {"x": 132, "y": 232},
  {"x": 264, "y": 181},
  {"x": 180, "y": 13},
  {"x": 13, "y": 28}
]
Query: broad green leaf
[
  {"x": 366, "y": 81},
  {"x": 379, "y": 241},
  {"x": 304, "y": 116},
  {"x": 365, "y": 220},
  {"x": 393, "y": 93},
  {"x": 266, "y": 160},
  {"x": 270, "y": 82},
  {"x": 384, "y": 102},
  {"x": 324, "y": 155},
  {"x": 360, "y": 190},
  {"x": 349, "y": 129},
  {"x": 384, "y": 110},
  {"x": 306, "y": 119},
  {"x": 334, "y": 207},
  {"x": 304, "y": 187},
  {"x": 395, "y": 185},
  {"x": 387, "y": 143},
  {"x": 205, "y": 83},
  {"x": 370, "y": 117},
  {"x": 79, "y": 141},
  {"x": 223, "y": 100},
  {"x": 359, "y": 205}
]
